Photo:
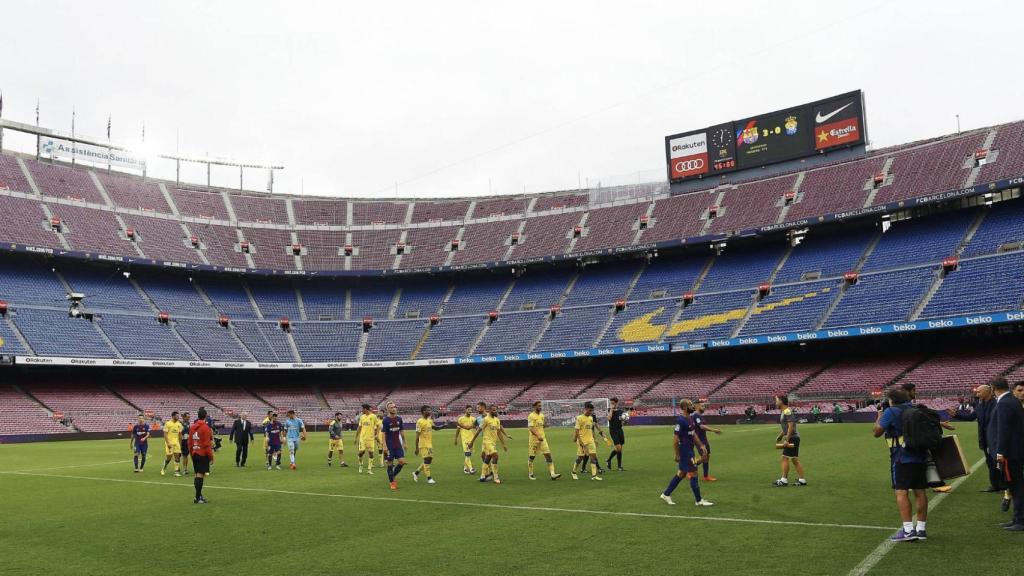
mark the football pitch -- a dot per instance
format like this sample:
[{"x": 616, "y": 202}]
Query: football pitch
[{"x": 76, "y": 508}]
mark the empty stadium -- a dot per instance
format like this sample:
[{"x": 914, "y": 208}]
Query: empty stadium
[{"x": 785, "y": 254}]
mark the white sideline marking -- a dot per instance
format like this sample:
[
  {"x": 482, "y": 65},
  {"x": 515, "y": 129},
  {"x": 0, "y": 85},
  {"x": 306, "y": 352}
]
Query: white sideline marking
[
  {"x": 65, "y": 467},
  {"x": 469, "y": 504},
  {"x": 872, "y": 559}
]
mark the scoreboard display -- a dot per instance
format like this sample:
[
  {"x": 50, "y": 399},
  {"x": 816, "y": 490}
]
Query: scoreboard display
[
  {"x": 771, "y": 138},
  {"x": 767, "y": 138}
]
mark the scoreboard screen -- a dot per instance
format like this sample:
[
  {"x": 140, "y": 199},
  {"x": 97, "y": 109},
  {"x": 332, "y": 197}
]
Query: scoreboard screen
[
  {"x": 767, "y": 138},
  {"x": 773, "y": 137}
]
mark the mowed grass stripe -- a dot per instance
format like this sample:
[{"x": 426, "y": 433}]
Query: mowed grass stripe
[{"x": 465, "y": 504}]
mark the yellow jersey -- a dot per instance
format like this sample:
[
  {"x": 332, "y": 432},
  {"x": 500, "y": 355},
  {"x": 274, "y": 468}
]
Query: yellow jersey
[
  {"x": 172, "y": 433},
  {"x": 367, "y": 426},
  {"x": 425, "y": 430},
  {"x": 490, "y": 428},
  {"x": 466, "y": 434},
  {"x": 536, "y": 422},
  {"x": 585, "y": 426}
]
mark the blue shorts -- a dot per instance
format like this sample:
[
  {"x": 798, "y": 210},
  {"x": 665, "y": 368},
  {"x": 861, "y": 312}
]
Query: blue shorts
[
  {"x": 141, "y": 448},
  {"x": 272, "y": 448},
  {"x": 395, "y": 453},
  {"x": 686, "y": 461},
  {"x": 293, "y": 446}
]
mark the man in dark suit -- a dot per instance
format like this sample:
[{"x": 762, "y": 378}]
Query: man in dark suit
[
  {"x": 982, "y": 412},
  {"x": 241, "y": 434},
  {"x": 1009, "y": 448}
]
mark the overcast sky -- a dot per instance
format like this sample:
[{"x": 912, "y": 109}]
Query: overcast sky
[{"x": 459, "y": 98}]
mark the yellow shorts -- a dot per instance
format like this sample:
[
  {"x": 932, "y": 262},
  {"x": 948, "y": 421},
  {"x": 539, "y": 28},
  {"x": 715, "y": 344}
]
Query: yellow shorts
[
  {"x": 338, "y": 444},
  {"x": 426, "y": 452},
  {"x": 172, "y": 449},
  {"x": 365, "y": 444},
  {"x": 489, "y": 448},
  {"x": 586, "y": 449},
  {"x": 538, "y": 446},
  {"x": 466, "y": 448}
]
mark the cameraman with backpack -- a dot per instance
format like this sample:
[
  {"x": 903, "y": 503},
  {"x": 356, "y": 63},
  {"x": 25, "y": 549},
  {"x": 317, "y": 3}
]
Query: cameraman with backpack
[{"x": 909, "y": 430}]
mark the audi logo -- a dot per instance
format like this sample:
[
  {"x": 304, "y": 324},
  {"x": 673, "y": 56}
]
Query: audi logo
[{"x": 689, "y": 165}]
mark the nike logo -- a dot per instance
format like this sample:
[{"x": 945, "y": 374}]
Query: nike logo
[
  {"x": 824, "y": 118},
  {"x": 642, "y": 329}
]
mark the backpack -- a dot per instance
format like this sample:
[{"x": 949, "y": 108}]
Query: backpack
[{"x": 921, "y": 430}]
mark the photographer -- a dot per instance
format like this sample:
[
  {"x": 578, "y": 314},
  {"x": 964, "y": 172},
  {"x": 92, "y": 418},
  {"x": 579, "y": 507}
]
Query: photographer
[{"x": 908, "y": 466}]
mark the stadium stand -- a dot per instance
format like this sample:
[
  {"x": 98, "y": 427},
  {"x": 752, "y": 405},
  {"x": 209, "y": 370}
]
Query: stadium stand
[
  {"x": 91, "y": 407},
  {"x": 21, "y": 415}
]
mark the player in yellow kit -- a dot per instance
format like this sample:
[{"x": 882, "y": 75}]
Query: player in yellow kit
[
  {"x": 266, "y": 420},
  {"x": 492, "y": 434},
  {"x": 536, "y": 422},
  {"x": 172, "y": 444},
  {"x": 583, "y": 436},
  {"x": 465, "y": 426},
  {"x": 366, "y": 437},
  {"x": 424, "y": 444},
  {"x": 380, "y": 435}
]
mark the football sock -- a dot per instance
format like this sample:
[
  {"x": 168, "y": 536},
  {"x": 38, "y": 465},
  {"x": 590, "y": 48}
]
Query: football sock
[
  {"x": 278, "y": 458},
  {"x": 391, "y": 473},
  {"x": 577, "y": 465},
  {"x": 705, "y": 466},
  {"x": 494, "y": 470},
  {"x": 608, "y": 463},
  {"x": 672, "y": 485},
  {"x": 593, "y": 469},
  {"x": 199, "y": 487},
  {"x": 426, "y": 469},
  {"x": 291, "y": 457},
  {"x": 529, "y": 466},
  {"x": 485, "y": 470},
  {"x": 618, "y": 458},
  {"x": 166, "y": 462},
  {"x": 695, "y": 486},
  {"x": 135, "y": 459},
  {"x": 398, "y": 470},
  {"x": 908, "y": 527},
  {"x": 467, "y": 463},
  {"x": 177, "y": 467},
  {"x": 551, "y": 468},
  {"x": 920, "y": 526}
]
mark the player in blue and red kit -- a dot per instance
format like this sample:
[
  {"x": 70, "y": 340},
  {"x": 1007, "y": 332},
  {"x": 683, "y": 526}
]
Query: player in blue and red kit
[
  {"x": 702, "y": 430},
  {"x": 273, "y": 431},
  {"x": 394, "y": 444},
  {"x": 140, "y": 443},
  {"x": 684, "y": 442}
]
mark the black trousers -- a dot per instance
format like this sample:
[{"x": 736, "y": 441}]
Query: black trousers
[
  {"x": 241, "y": 452},
  {"x": 995, "y": 478},
  {"x": 1016, "y": 486}
]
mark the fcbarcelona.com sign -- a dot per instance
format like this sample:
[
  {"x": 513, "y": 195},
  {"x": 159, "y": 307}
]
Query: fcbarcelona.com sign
[{"x": 56, "y": 148}]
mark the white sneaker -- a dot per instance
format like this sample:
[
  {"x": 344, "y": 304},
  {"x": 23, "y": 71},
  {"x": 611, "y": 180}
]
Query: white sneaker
[
  {"x": 415, "y": 476},
  {"x": 574, "y": 476},
  {"x": 705, "y": 503},
  {"x": 360, "y": 469},
  {"x": 431, "y": 481},
  {"x": 668, "y": 500},
  {"x": 370, "y": 472}
]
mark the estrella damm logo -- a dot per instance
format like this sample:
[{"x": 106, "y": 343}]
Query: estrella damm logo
[{"x": 642, "y": 329}]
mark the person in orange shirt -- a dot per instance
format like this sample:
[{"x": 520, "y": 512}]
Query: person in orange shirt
[{"x": 201, "y": 443}]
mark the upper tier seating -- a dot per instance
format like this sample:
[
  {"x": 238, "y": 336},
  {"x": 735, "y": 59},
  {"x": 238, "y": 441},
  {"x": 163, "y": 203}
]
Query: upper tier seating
[{"x": 544, "y": 224}]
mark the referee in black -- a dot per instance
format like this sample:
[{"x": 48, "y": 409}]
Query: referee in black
[{"x": 615, "y": 430}]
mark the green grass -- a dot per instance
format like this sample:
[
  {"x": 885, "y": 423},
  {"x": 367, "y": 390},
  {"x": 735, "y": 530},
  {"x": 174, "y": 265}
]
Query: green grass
[{"x": 99, "y": 518}]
